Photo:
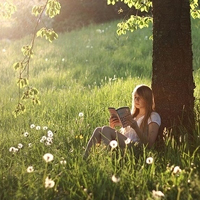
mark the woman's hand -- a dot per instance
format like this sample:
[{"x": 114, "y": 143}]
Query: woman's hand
[{"x": 114, "y": 122}]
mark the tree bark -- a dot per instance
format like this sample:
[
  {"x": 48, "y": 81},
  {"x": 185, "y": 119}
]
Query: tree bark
[{"x": 172, "y": 79}]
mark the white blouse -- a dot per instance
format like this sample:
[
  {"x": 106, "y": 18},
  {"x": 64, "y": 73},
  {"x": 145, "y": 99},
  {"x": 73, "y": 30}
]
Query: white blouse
[{"x": 130, "y": 132}]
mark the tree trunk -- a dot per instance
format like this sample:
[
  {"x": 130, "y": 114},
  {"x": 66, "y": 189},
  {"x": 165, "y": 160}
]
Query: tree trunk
[{"x": 172, "y": 80}]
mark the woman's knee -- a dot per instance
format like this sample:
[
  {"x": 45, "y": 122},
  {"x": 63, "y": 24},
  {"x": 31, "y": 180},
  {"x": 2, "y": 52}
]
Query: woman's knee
[{"x": 97, "y": 131}]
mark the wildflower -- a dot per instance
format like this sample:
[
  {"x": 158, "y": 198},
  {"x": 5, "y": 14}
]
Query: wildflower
[
  {"x": 32, "y": 126},
  {"x": 48, "y": 157},
  {"x": 26, "y": 134},
  {"x": 30, "y": 169},
  {"x": 115, "y": 179},
  {"x": 3, "y": 50},
  {"x": 149, "y": 160},
  {"x": 46, "y": 59},
  {"x": 81, "y": 114},
  {"x": 49, "y": 183},
  {"x": 50, "y": 133},
  {"x": 45, "y": 128},
  {"x": 29, "y": 145},
  {"x": 127, "y": 141},
  {"x": 113, "y": 144},
  {"x": 20, "y": 146},
  {"x": 38, "y": 128},
  {"x": 157, "y": 194},
  {"x": 63, "y": 59},
  {"x": 177, "y": 170}
]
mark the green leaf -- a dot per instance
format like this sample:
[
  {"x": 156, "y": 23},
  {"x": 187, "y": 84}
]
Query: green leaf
[{"x": 18, "y": 65}]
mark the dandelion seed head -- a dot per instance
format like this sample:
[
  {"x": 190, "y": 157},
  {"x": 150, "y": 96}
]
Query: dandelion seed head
[
  {"x": 113, "y": 144},
  {"x": 157, "y": 194},
  {"x": 115, "y": 179},
  {"x": 30, "y": 169},
  {"x": 37, "y": 128},
  {"x": 41, "y": 140},
  {"x": 44, "y": 128},
  {"x": 48, "y": 143},
  {"x": 48, "y": 157},
  {"x": 49, "y": 183},
  {"x": 20, "y": 146},
  {"x": 49, "y": 139},
  {"x": 44, "y": 138},
  {"x": 50, "y": 134},
  {"x": 26, "y": 134},
  {"x": 177, "y": 170},
  {"x": 32, "y": 126},
  {"x": 12, "y": 149},
  {"x": 81, "y": 114},
  {"x": 149, "y": 160}
]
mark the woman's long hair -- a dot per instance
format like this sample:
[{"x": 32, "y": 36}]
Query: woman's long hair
[{"x": 146, "y": 93}]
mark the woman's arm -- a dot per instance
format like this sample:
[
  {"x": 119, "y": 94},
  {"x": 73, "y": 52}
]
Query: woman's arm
[{"x": 146, "y": 137}]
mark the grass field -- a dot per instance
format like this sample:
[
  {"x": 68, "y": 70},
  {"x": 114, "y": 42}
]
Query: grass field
[{"x": 78, "y": 77}]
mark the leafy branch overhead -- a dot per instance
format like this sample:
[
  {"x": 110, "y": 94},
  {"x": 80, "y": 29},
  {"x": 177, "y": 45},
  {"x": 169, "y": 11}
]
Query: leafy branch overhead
[
  {"x": 6, "y": 10},
  {"x": 144, "y": 6},
  {"x": 51, "y": 8}
]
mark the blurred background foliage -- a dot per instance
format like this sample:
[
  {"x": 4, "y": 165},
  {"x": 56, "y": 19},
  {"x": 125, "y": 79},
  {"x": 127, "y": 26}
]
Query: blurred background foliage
[{"x": 74, "y": 15}]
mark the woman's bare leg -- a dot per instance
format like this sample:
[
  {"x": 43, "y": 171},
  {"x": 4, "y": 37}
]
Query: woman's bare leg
[
  {"x": 106, "y": 134},
  {"x": 96, "y": 138},
  {"x": 109, "y": 134}
]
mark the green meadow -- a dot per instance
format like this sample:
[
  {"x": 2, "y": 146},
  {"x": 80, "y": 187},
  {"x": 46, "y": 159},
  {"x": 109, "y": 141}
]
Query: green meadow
[{"x": 79, "y": 76}]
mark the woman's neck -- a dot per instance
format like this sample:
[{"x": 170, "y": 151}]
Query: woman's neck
[{"x": 141, "y": 112}]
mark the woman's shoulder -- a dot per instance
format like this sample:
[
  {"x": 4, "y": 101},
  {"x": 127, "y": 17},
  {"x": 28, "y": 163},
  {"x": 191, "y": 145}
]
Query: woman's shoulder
[
  {"x": 154, "y": 113},
  {"x": 155, "y": 117}
]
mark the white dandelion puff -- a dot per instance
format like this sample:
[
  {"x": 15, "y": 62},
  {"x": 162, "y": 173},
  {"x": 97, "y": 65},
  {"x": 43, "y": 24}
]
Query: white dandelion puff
[
  {"x": 113, "y": 144},
  {"x": 26, "y": 134},
  {"x": 44, "y": 128},
  {"x": 177, "y": 170},
  {"x": 48, "y": 143},
  {"x": 38, "y": 128},
  {"x": 49, "y": 183},
  {"x": 41, "y": 140},
  {"x": 20, "y": 146},
  {"x": 115, "y": 179},
  {"x": 81, "y": 114},
  {"x": 30, "y": 169},
  {"x": 50, "y": 134},
  {"x": 32, "y": 126},
  {"x": 149, "y": 160},
  {"x": 12, "y": 149},
  {"x": 44, "y": 138},
  {"x": 49, "y": 139},
  {"x": 48, "y": 157},
  {"x": 157, "y": 194}
]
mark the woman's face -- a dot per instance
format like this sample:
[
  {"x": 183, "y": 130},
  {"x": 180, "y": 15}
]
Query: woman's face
[{"x": 139, "y": 102}]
